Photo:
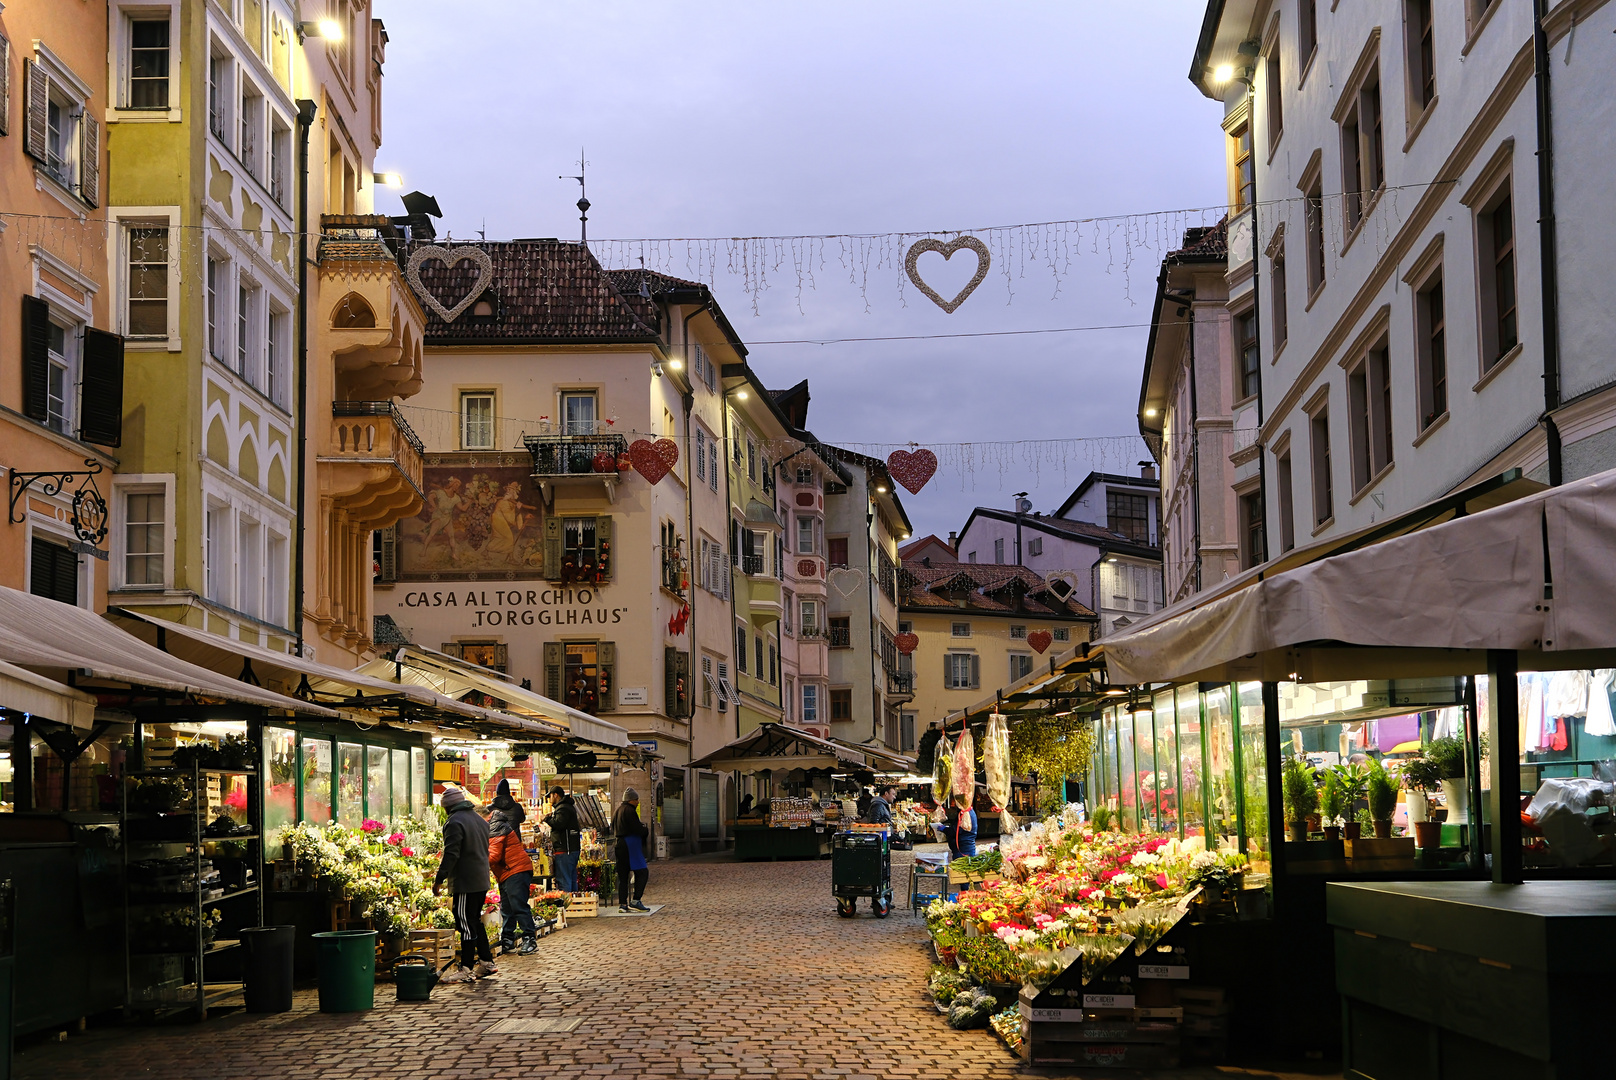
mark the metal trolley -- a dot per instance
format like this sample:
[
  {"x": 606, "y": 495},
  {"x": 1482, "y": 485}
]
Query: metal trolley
[{"x": 861, "y": 865}]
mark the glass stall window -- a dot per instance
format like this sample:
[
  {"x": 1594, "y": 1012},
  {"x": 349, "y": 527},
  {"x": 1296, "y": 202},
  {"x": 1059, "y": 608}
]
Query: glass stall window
[
  {"x": 280, "y": 778},
  {"x": 350, "y": 784},
  {"x": 1219, "y": 723},
  {"x": 1127, "y": 772},
  {"x": 1147, "y": 782},
  {"x": 378, "y": 787},
  {"x": 1253, "y": 775},
  {"x": 420, "y": 788},
  {"x": 1192, "y": 797},
  {"x": 1168, "y": 788},
  {"x": 317, "y": 780},
  {"x": 401, "y": 782}
]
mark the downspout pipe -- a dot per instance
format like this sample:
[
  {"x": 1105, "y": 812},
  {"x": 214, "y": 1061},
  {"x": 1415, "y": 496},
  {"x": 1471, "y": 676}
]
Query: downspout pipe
[
  {"x": 1548, "y": 242},
  {"x": 305, "y": 120},
  {"x": 688, "y": 400}
]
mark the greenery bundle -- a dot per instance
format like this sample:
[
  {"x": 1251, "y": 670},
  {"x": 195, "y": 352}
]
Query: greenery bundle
[
  {"x": 1420, "y": 773},
  {"x": 1301, "y": 793},
  {"x": 1382, "y": 793},
  {"x": 1334, "y": 803}
]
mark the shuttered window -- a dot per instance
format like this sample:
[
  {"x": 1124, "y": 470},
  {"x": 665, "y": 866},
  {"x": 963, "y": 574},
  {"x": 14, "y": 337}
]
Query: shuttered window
[
  {"x": 54, "y": 573},
  {"x": 676, "y": 679},
  {"x": 36, "y": 329},
  {"x": 582, "y": 674},
  {"x": 962, "y": 671},
  {"x": 101, "y": 389}
]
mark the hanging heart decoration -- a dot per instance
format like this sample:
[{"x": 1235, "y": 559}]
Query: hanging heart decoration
[
  {"x": 920, "y": 247},
  {"x": 845, "y": 580},
  {"x": 1063, "y": 583},
  {"x": 912, "y": 470},
  {"x": 450, "y": 257},
  {"x": 807, "y": 568},
  {"x": 1040, "y": 639},
  {"x": 906, "y": 642},
  {"x": 653, "y": 460}
]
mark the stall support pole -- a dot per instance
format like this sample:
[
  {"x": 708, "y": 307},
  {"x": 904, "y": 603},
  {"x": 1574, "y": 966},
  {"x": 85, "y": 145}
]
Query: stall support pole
[
  {"x": 1504, "y": 753},
  {"x": 1276, "y": 779}
]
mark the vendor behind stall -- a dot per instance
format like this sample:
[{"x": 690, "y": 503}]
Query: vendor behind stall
[
  {"x": 960, "y": 831},
  {"x": 880, "y": 811}
]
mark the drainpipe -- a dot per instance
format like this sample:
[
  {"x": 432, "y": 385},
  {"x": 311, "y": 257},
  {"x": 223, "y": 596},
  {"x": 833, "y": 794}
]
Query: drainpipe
[
  {"x": 1256, "y": 314},
  {"x": 688, "y": 400},
  {"x": 729, "y": 529},
  {"x": 1195, "y": 442},
  {"x": 1548, "y": 245},
  {"x": 305, "y": 120}
]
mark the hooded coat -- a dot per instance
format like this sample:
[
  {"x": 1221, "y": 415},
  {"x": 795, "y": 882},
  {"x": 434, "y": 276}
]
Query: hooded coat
[
  {"x": 506, "y": 856},
  {"x": 465, "y": 851}
]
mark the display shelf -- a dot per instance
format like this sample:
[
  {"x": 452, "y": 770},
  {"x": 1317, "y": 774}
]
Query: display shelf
[
  {"x": 212, "y": 947},
  {"x": 139, "y": 898}
]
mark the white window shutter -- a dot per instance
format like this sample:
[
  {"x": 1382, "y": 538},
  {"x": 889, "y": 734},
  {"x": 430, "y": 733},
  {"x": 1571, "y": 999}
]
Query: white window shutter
[
  {"x": 37, "y": 131},
  {"x": 5, "y": 85}
]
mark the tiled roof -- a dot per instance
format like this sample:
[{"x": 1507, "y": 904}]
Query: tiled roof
[
  {"x": 986, "y": 588},
  {"x": 1204, "y": 244},
  {"x": 542, "y": 290},
  {"x": 386, "y": 632},
  {"x": 628, "y": 283}
]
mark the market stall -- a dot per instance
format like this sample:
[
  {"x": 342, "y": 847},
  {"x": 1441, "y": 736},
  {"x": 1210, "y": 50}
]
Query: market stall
[{"x": 786, "y": 825}]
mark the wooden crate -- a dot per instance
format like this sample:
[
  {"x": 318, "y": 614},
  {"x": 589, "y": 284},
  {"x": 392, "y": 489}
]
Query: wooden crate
[
  {"x": 436, "y": 944},
  {"x": 583, "y": 905}
]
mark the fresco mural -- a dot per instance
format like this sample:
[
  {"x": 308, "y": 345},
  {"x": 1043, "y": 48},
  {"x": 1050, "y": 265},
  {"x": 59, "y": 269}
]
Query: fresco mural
[{"x": 478, "y": 520}]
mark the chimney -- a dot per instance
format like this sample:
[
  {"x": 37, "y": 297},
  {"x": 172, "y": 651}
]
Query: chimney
[
  {"x": 953, "y": 539},
  {"x": 1147, "y": 470}
]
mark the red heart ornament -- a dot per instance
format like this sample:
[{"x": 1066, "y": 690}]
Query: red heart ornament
[
  {"x": 653, "y": 460},
  {"x": 1040, "y": 639},
  {"x": 912, "y": 470},
  {"x": 906, "y": 642}
]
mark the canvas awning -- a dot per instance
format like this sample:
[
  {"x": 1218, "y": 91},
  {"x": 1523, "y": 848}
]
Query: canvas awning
[
  {"x": 51, "y": 639},
  {"x": 343, "y": 689},
  {"x": 21, "y": 691},
  {"x": 1433, "y": 600},
  {"x": 453, "y": 678},
  {"x": 774, "y": 747}
]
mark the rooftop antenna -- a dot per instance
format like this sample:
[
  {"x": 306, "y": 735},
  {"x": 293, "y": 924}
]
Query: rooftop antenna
[{"x": 583, "y": 198}]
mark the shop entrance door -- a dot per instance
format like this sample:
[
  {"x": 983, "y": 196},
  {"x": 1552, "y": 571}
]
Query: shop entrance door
[{"x": 709, "y": 807}]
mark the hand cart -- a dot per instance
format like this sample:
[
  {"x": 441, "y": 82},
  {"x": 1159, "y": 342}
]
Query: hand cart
[{"x": 861, "y": 865}]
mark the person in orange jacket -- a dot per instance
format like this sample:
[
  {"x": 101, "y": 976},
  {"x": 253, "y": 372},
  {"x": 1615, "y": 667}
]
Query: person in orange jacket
[{"x": 511, "y": 866}]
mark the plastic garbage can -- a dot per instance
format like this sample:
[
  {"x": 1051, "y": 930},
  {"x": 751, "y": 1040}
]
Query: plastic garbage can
[
  {"x": 347, "y": 970},
  {"x": 269, "y": 968}
]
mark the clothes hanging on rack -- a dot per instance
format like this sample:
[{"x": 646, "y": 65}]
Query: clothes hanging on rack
[
  {"x": 1601, "y": 721},
  {"x": 1531, "y": 689},
  {"x": 1567, "y": 694}
]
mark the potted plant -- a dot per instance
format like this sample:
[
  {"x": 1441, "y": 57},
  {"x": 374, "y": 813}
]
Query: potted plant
[
  {"x": 1353, "y": 781},
  {"x": 1382, "y": 800},
  {"x": 1332, "y": 805},
  {"x": 1448, "y": 754},
  {"x": 1301, "y": 796},
  {"x": 1421, "y": 776}
]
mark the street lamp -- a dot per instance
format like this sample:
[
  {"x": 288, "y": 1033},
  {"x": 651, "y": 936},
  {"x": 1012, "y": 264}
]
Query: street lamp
[
  {"x": 329, "y": 29},
  {"x": 387, "y": 179}
]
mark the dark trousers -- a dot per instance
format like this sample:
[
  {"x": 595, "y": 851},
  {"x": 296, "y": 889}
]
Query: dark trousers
[
  {"x": 515, "y": 904},
  {"x": 623, "y": 873},
  {"x": 468, "y": 913}
]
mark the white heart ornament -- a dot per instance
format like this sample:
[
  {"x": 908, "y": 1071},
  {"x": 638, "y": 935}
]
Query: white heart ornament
[
  {"x": 920, "y": 247},
  {"x": 853, "y": 579},
  {"x": 450, "y": 256},
  {"x": 1062, "y": 577}
]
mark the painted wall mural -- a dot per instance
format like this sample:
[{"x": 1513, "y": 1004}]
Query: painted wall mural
[{"x": 479, "y": 521}]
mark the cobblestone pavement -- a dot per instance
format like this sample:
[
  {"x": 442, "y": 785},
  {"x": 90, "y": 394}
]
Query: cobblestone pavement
[{"x": 747, "y": 972}]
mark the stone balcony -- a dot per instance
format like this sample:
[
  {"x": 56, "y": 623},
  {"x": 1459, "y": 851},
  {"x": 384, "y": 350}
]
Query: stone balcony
[{"x": 371, "y": 461}]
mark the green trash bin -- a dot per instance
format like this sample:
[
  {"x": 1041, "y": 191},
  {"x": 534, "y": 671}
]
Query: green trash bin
[{"x": 347, "y": 970}]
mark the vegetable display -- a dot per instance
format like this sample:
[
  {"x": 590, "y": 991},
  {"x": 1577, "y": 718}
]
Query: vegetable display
[
  {"x": 996, "y": 759},
  {"x": 942, "y": 771},
  {"x": 988, "y": 862},
  {"x": 972, "y": 1009},
  {"x": 962, "y": 778}
]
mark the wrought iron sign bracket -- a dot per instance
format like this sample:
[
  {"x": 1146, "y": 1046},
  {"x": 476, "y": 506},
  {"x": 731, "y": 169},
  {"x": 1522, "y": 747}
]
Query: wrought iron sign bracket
[{"x": 89, "y": 508}]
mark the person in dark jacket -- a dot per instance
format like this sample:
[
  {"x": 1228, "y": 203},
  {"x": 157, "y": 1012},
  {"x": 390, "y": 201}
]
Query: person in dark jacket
[
  {"x": 464, "y": 870},
  {"x": 631, "y": 836},
  {"x": 564, "y": 836},
  {"x": 961, "y": 832},
  {"x": 508, "y": 861},
  {"x": 880, "y": 811}
]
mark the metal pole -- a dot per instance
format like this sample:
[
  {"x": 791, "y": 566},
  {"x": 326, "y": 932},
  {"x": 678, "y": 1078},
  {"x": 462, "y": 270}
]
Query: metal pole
[
  {"x": 305, "y": 120},
  {"x": 1504, "y": 753},
  {"x": 1275, "y": 776}
]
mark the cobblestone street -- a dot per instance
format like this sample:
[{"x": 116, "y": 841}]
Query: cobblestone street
[{"x": 747, "y": 972}]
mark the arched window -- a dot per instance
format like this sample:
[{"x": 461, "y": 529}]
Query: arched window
[{"x": 353, "y": 313}]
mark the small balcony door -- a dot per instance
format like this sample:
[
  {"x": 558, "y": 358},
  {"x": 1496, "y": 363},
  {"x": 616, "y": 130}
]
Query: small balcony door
[{"x": 578, "y": 414}]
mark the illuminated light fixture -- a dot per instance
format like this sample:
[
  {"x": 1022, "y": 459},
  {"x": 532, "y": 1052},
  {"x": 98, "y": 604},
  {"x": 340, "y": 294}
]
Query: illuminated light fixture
[
  {"x": 676, "y": 364},
  {"x": 741, "y": 395},
  {"x": 1116, "y": 693},
  {"x": 1112, "y": 559},
  {"x": 329, "y": 29},
  {"x": 1223, "y": 73},
  {"x": 906, "y": 536},
  {"x": 881, "y": 488},
  {"x": 1150, "y": 412},
  {"x": 387, "y": 179}
]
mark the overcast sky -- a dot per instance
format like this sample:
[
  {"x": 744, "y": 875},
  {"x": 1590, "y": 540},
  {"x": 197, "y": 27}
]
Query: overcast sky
[{"x": 765, "y": 119}]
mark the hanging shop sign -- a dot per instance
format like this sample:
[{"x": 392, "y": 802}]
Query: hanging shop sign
[{"x": 89, "y": 512}]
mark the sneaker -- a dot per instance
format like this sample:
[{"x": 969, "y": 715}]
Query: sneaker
[
  {"x": 637, "y": 906},
  {"x": 484, "y": 969},
  {"x": 624, "y": 909},
  {"x": 530, "y": 946},
  {"x": 457, "y": 974},
  {"x": 507, "y": 947}
]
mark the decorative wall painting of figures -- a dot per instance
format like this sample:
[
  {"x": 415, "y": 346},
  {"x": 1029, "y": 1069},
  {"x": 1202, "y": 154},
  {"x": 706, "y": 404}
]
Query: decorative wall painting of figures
[{"x": 479, "y": 521}]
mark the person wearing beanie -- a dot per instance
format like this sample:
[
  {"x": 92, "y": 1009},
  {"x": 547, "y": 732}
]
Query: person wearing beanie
[
  {"x": 631, "y": 836},
  {"x": 464, "y": 870},
  {"x": 564, "y": 839},
  {"x": 511, "y": 866}
]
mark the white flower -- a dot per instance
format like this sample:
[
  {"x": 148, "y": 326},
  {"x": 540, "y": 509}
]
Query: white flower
[
  {"x": 1145, "y": 858},
  {"x": 1122, "y": 879},
  {"x": 1202, "y": 859}
]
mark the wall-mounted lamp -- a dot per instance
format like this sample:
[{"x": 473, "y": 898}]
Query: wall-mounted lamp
[
  {"x": 387, "y": 179},
  {"x": 1151, "y": 412},
  {"x": 676, "y": 364},
  {"x": 881, "y": 489},
  {"x": 741, "y": 395},
  {"x": 329, "y": 29}
]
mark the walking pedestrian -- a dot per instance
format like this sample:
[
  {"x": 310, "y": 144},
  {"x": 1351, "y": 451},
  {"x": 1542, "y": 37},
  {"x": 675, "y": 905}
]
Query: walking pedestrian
[
  {"x": 464, "y": 869},
  {"x": 961, "y": 832},
  {"x": 880, "y": 809},
  {"x": 631, "y": 835},
  {"x": 508, "y": 861},
  {"x": 564, "y": 838}
]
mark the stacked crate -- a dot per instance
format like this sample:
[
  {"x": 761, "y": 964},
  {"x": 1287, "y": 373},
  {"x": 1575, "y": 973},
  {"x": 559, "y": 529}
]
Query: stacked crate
[{"x": 1206, "y": 1022}]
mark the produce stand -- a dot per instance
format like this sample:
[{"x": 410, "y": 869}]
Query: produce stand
[{"x": 770, "y": 842}]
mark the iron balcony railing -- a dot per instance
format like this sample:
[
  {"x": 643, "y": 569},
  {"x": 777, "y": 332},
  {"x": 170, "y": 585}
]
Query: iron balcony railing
[
  {"x": 751, "y": 564},
  {"x": 900, "y": 682},
  {"x": 380, "y": 408},
  {"x": 575, "y": 455},
  {"x": 841, "y": 637}
]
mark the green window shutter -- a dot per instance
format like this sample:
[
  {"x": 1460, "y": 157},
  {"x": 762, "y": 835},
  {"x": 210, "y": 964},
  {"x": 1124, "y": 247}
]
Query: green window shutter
[
  {"x": 35, "y": 357},
  {"x": 606, "y": 661},
  {"x": 948, "y": 671},
  {"x": 389, "y": 551},
  {"x": 682, "y": 662},
  {"x": 603, "y": 547},
  {"x": 976, "y": 672},
  {"x": 552, "y": 551},
  {"x": 101, "y": 392},
  {"x": 670, "y": 680},
  {"x": 554, "y": 658},
  {"x": 5, "y": 85}
]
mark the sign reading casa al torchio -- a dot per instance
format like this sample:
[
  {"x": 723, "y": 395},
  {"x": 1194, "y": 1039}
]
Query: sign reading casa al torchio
[{"x": 522, "y": 607}]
